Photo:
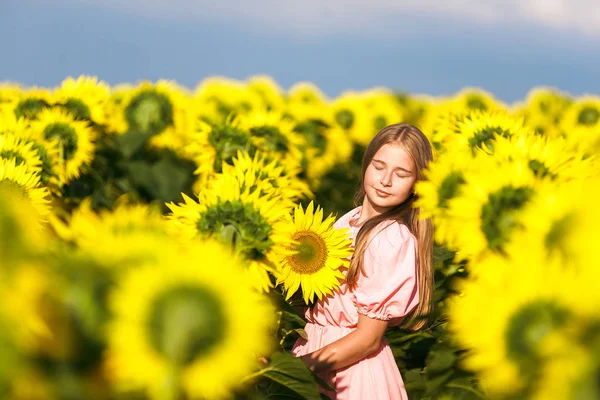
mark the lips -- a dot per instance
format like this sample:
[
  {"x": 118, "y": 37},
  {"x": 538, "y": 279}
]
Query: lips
[{"x": 381, "y": 193}]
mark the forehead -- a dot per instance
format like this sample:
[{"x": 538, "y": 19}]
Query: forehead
[{"x": 394, "y": 155}]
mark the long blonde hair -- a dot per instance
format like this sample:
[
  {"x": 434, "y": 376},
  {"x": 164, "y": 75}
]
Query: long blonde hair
[{"x": 414, "y": 142}]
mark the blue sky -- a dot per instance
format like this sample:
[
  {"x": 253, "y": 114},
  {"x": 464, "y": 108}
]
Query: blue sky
[{"x": 428, "y": 46}]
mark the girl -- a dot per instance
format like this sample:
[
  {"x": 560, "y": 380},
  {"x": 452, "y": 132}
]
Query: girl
[{"x": 389, "y": 280}]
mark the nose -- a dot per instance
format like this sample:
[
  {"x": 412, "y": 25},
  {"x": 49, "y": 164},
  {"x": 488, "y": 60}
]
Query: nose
[{"x": 386, "y": 180}]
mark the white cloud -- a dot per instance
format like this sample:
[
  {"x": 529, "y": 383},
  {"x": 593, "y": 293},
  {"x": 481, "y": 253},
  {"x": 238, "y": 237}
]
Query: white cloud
[{"x": 318, "y": 17}]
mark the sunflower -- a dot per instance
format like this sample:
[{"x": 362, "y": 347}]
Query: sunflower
[
  {"x": 503, "y": 319},
  {"x": 22, "y": 151},
  {"x": 247, "y": 220},
  {"x": 126, "y": 234},
  {"x": 280, "y": 181},
  {"x": 320, "y": 252},
  {"x": 73, "y": 140},
  {"x": 382, "y": 107},
  {"x": 547, "y": 102},
  {"x": 351, "y": 114},
  {"x": 83, "y": 98},
  {"x": 475, "y": 99},
  {"x": 326, "y": 148},
  {"x": 488, "y": 208},
  {"x": 177, "y": 135},
  {"x": 31, "y": 102},
  {"x": 546, "y": 157},
  {"x": 268, "y": 90},
  {"x": 190, "y": 325},
  {"x": 213, "y": 145},
  {"x": 581, "y": 124},
  {"x": 564, "y": 222},
  {"x": 218, "y": 99},
  {"x": 39, "y": 313},
  {"x": 274, "y": 135},
  {"x": 570, "y": 371},
  {"x": 26, "y": 182},
  {"x": 480, "y": 129},
  {"x": 444, "y": 180},
  {"x": 114, "y": 109},
  {"x": 306, "y": 93},
  {"x": 21, "y": 228}
]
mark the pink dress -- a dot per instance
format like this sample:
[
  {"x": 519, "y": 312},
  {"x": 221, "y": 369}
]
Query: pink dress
[{"x": 387, "y": 291}]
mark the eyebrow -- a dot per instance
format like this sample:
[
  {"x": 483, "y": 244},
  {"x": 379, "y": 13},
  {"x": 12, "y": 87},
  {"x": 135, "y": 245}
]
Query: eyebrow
[{"x": 383, "y": 162}]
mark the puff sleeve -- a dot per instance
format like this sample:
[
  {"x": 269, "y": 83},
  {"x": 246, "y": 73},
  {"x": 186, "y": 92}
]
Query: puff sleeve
[{"x": 388, "y": 290}]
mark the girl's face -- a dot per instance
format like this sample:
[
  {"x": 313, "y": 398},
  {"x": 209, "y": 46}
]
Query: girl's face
[{"x": 390, "y": 177}]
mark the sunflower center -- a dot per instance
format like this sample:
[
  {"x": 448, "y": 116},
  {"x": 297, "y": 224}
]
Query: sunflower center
[
  {"x": 529, "y": 326},
  {"x": 275, "y": 140},
  {"x": 47, "y": 171},
  {"x": 449, "y": 188},
  {"x": 380, "y": 122},
  {"x": 77, "y": 108},
  {"x": 187, "y": 322},
  {"x": 559, "y": 230},
  {"x": 29, "y": 108},
  {"x": 8, "y": 154},
  {"x": 313, "y": 131},
  {"x": 312, "y": 253},
  {"x": 239, "y": 225},
  {"x": 149, "y": 112},
  {"x": 540, "y": 170},
  {"x": 486, "y": 136},
  {"x": 588, "y": 116},
  {"x": 66, "y": 135},
  {"x": 476, "y": 102},
  {"x": 227, "y": 140},
  {"x": 497, "y": 215},
  {"x": 345, "y": 118}
]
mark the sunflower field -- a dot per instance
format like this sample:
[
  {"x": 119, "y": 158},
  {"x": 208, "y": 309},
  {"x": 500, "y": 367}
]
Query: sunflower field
[{"x": 159, "y": 243}]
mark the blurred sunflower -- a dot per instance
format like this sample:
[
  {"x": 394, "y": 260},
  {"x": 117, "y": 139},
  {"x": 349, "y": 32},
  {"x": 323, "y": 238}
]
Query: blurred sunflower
[
  {"x": 21, "y": 229},
  {"x": 114, "y": 238},
  {"x": 351, "y": 114},
  {"x": 84, "y": 98},
  {"x": 247, "y": 220},
  {"x": 319, "y": 253},
  {"x": 306, "y": 93},
  {"x": 268, "y": 90},
  {"x": 22, "y": 151},
  {"x": 546, "y": 157},
  {"x": 72, "y": 141},
  {"x": 114, "y": 109},
  {"x": 581, "y": 124},
  {"x": 31, "y": 102},
  {"x": 38, "y": 312},
  {"x": 445, "y": 178},
  {"x": 475, "y": 99},
  {"x": 480, "y": 129},
  {"x": 490, "y": 203},
  {"x": 382, "y": 107},
  {"x": 26, "y": 182},
  {"x": 503, "y": 319},
  {"x": 191, "y": 325},
  {"x": 217, "y": 99}
]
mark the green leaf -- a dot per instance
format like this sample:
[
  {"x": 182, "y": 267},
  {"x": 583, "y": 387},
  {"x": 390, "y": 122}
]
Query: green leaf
[
  {"x": 440, "y": 360},
  {"x": 291, "y": 372},
  {"x": 131, "y": 142}
]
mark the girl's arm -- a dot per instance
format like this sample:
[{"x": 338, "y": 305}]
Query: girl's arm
[{"x": 360, "y": 343}]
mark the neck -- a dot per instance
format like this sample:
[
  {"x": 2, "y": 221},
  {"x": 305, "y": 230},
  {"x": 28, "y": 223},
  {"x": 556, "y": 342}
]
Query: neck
[{"x": 369, "y": 211}]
